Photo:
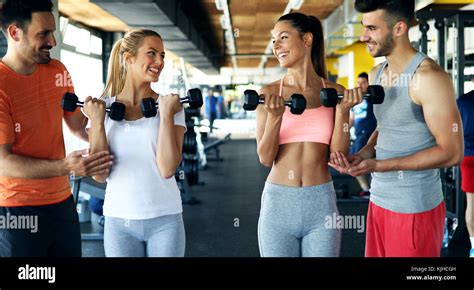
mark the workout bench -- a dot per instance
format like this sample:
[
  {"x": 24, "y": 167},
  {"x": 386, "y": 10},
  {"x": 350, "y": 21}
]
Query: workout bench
[{"x": 214, "y": 145}]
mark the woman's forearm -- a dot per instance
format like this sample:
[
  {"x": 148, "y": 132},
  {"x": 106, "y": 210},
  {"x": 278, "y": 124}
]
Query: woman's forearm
[
  {"x": 268, "y": 145},
  {"x": 97, "y": 143},
  {"x": 341, "y": 137},
  {"x": 168, "y": 155}
]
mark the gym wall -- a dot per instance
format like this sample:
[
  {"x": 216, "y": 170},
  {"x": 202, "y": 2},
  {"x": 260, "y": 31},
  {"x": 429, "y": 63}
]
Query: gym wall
[{"x": 3, "y": 45}]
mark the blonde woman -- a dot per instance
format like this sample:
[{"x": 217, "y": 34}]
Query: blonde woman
[{"x": 142, "y": 208}]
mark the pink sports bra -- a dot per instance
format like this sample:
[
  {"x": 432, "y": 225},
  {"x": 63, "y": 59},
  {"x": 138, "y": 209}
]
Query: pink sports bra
[{"x": 314, "y": 125}]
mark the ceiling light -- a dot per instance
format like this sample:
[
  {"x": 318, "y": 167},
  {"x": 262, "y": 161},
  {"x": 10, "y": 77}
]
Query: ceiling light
[
  {"x": 220, "y": 4},
  {"x": 224, "y": 23},
  {"x": 295, "y": 4}
]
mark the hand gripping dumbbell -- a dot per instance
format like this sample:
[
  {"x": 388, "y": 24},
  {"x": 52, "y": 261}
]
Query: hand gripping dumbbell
[
  {"x": 330, "y": 97},
  {"x": 70, "y": 102},
  {"x": 194, "y": 98},
  {"x": 297, "y": 103}
]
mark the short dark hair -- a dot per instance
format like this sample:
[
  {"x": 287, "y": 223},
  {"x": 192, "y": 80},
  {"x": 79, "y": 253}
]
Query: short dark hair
[
  {"x": 19, "y": 12},
  {"x": 399, "y": 10},
  {"x": 363, "y": 75},
  {"x": 217, "y": 89}
]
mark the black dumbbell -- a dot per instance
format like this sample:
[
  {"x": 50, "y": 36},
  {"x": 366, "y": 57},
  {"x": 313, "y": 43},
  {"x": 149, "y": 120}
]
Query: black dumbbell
[
  {"x": 70, "y": 102},
  {"x": 297, "y": 103},
  {"x": 194, "y": 98},
  {"x": 330, "y": 97}
]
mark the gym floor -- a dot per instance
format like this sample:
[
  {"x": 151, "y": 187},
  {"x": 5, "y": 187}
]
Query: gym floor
[{"x": 224, "y": 222}]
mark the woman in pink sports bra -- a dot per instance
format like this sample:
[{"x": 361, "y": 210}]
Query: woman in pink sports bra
[{"x": 299, "y": 195}]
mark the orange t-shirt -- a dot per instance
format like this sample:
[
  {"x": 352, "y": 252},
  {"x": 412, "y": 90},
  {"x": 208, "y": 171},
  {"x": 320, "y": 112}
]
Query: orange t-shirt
[{"x": 31, "y": 120}]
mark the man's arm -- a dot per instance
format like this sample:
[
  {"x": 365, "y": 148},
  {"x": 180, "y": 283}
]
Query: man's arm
[
  {"x": 368, "y": 151},
  {"x": 16, "y": 166},
  {"x": 435, "y": 93},
  {"x": 77, "y": 125}
]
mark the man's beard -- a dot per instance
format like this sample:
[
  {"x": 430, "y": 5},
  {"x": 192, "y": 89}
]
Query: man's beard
[
  {"x": 385, "y": 46},
  {"x": 36, "y": 56}
]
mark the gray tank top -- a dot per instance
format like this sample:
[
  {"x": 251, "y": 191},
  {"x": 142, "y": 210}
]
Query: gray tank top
[{"x": 403, "y": 131}]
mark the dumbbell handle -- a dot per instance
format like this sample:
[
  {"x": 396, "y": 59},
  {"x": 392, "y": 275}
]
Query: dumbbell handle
[
  {"x": 81, "y": 104},
  {"x": 287, "y": 103},
  {"x": 340, "y": 96},
  {"x": 181, "y": 100},
  {"x": 184, "y": 100}
]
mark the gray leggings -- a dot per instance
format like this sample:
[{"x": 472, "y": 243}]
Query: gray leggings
[
  {"x": 157, "y": 237},
  {"x": 292, "y": 221}
]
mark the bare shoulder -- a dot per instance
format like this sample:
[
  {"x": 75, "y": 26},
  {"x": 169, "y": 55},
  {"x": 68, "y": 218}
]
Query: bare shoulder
[
  {"x": 339, "y": 88},
  {"x": 431, "y": 81},
  {"x": 271, "y": 88},
  {"x": 429, "y": 70},
  {"x": 430, "y": 77}
]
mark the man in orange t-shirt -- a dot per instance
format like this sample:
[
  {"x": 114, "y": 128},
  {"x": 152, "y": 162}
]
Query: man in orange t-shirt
[{"x": 37, "y": 212}]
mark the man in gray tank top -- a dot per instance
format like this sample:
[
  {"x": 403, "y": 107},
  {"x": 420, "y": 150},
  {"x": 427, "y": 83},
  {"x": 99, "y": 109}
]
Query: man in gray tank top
[{"x": 419, "y": 130}]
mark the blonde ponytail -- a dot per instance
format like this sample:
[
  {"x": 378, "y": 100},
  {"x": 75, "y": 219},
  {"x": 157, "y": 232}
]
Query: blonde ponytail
[{"x": 116, "y": 74}]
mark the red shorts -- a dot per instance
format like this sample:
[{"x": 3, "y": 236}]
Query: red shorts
[
  {"x": 392, "y": 234},
  {"x": 467, "y": 174}
]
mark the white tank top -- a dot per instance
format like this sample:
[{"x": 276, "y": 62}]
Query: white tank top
[{"x": 135, "y": 188}]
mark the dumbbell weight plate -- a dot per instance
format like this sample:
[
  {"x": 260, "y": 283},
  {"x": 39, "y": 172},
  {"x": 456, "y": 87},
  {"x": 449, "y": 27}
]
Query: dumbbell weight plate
[
  {"x": 117, "y": 111},
  {"x": 251, "y": 99},
  {"x": 194, "y": 176},
  {"x": 328, "y": 97},
  {"x": 69, "y": 102},
  {"x": 190, "y": 144},
  {"x": 195, "y": 98},
  {"x": 376, "y": 94},
  {"x": 298, "y": 104}
]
